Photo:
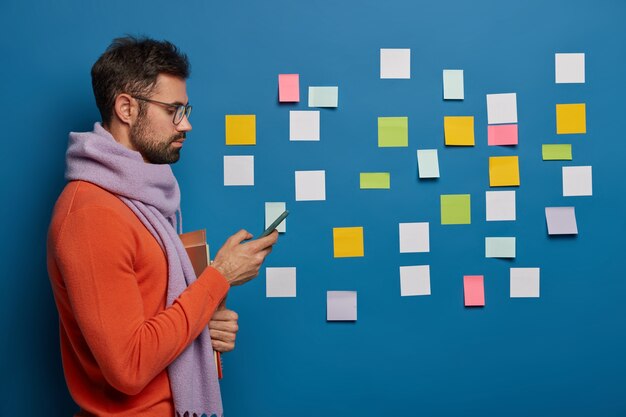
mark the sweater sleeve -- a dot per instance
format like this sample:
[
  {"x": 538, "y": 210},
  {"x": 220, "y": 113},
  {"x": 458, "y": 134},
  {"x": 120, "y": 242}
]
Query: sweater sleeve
[{"x": 95, "y": 253}]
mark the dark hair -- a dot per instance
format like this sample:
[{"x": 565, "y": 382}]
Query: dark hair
[{"x": 131, "y": 65}]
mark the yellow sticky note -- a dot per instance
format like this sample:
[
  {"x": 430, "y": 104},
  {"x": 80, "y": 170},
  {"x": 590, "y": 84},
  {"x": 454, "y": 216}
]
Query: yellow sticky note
[
  {"x": 348, "y": 241},
  {"x": 241, "y": 129},
  {"x": 571, "y": 118},
  {"x": 503, "y": 171},
  {"x": 458, "y": 130}
]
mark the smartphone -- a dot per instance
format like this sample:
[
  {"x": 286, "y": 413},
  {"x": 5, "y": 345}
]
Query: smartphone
[{"x": 275, "y": 224}]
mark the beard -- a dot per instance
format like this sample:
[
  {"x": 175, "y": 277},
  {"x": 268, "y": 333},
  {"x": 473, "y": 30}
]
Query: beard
[{"x": 152, "y": 150}]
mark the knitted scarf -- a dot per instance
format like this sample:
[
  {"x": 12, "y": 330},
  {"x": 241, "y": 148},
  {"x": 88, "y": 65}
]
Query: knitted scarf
[{"x": 151, "y": 192}]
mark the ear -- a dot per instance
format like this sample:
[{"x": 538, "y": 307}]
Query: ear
[{"x": 126, "y": 108}]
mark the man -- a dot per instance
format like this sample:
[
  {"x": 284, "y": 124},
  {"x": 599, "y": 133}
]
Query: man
[{"x": 133, "y": 316}]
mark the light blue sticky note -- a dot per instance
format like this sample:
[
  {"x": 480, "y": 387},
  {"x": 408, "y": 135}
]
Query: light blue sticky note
[
  {"x": 323, "y": 96},
  {"x": 272, "y": 211},
  {"x": 500, "y": 247},
  {"x": 428, "y": 163},
  {"x": 453, "y": 85}
]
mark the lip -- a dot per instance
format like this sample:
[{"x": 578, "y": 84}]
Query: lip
[{"x": 178, "y": 143}]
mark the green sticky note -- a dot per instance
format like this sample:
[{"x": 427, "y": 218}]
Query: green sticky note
[
  {"x": 375, "y": 180},
  {"x": 393, "y": 132},
  {"x": 455, "y": 209},
  {"x": 557, "y": 152},
  {"x": 500, "y": 247},
  {"x": 323, "y": 96}
]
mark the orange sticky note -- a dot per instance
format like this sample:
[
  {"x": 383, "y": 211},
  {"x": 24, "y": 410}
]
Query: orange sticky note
[
  {"x": 474, "y": 290},
  {"x": 288, "y": 88},
  {"x": 348, "y": 242},
  {"x": 571, "y": 118},
  {"x": 503, "y": 171},
  {"x": 241, "y": 129},
  {"x": 458, "y": 130}
]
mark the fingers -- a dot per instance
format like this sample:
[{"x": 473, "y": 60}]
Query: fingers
[
  {"x": 239, "y": 237},
  {"x": 225, "y": 315},
  {"x": 222, "y": 347},
  {"x": 222, "y": 341},
  {"x": 265, "y": 242}
]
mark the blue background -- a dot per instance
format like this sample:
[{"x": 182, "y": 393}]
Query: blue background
[{"x": 561, "y": 354}]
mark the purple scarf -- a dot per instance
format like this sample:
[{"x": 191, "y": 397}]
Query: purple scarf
[{"x": 151, "y": 192}]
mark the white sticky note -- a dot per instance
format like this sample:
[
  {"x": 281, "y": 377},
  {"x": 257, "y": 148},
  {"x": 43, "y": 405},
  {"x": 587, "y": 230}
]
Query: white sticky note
[
  {"x": 577, "y": 181},
  {"x": 453, "y": 85},
  {"x": 395, "y": 63},
  {"x": 499, "y": 247},
  {"x": 272, "y": 211},
  {"x": 304, "y": 125},
  {"x": 525, "y": 282},
  {"x": 561, "y": 221},
  {"x": 500, "y": 205},
  {"x": 238, "y": 170},
  {"x": 341, "y": 305},
  {"x": 501, "y": 108},
  {"x": 414, "y": 237},
  {"x": 280, "y": 282},
  {"x": 414, "y": 280},
  {"x": 323, "y": 96},
  {"x": 428, "y": 163},
  {"x": 569, "y": 68},
  {"x": 310, "y": 185}
]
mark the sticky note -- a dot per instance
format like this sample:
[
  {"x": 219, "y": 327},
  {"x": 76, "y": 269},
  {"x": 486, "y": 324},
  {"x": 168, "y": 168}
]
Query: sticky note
[
  {"x": 304, "y": 125},
  {"x": 395, "y": 63},
  {"x": 550, "y": 152},
  {"x": 501, "y": 108},
  {"x": 428, "y": 163},
  {"x": 455, "y": 209},
  {"x": 238, "y": 170},
  {"x": 414, "y": 237},
  {"x": 288, "y": 88},
  {"x": 570, "y": 118},
  {"x": 524, "y": 282},
  {"x": 414, "y": 280},
  {"x": 280, "y": 282},
  {"x": 241, "y": 129},
  {"x": 577, "y": 181},
  {"x": 375, "y": 180},
  {"x": 500, "y": 205},
  {"x": 310, "y": 185},
  {"x": 503, "y": 171},
  {"x": 561, "y": 221},
  {"x": 272, "y": 211},
  {"x": 474, "y": 290},
  {"x": 501, "y": 135},
  {"x": 458, "y": 130},
  {"x": 393, "y": 132},
  {"x": 348, "y": 242},
  {"x": 569, "y": 68},
  {"x": 323, "y": 96},
  {"x": 499, "y": 247},
  {"x": 453, "y": 85},
  {"x": 341, "y": 305}
]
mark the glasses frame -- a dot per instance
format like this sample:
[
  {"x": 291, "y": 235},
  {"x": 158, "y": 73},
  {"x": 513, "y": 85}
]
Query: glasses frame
[{"x": 186, "y": 108}]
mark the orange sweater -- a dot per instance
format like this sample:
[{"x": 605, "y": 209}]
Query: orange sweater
[{"x": 109, "y": 278}]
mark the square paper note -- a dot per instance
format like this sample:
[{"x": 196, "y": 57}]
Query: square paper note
[
  {"x": 499, "y": 247},
  {"x": 310, "y": 185},
  {"x": 458, "y": 130},
  {"x": 524, "y": 282},
  {"x": 501, "y": 108},
  {"x": 241, "y": 129},
  {"x": 348, "y": 242},
  {"x": 428, "y": 163},
  {"x": 556, "y": 152},
  {"x": 500, "y": 205},
  {"x": 238, "y": 170},
  {"x": 272, "y": 211},
  {"x": 571, "y": 118},
  {"x": 453, "y": 85},
  {"x": 375, "y": 180},
  {"x": 341, "y": 305},
  {"x": 304, "y": 125},
  {"x": 502, "y": 135},
  {"x": 280, "y": 282},
  {"x": 455, "y": 209},
  {"x": 395, "y": 63},
  {"x": 414, "y": 280},
  {"x": 414, "y": 237},
  {"x": 569, "y": 68},
  {"x": 474, "y": 289},
  {"x": 503, "y": 171},
  {"x": 288, "y": 88},
  {"x": 577, "y": 181},
  {"x": 393, "y": 132},
  {"x": 323, "y": 96},
  {"x": 561, "y": 221}
]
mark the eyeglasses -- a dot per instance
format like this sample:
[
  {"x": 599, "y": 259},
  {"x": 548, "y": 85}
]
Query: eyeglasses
[{"x": 181, "y": 109}]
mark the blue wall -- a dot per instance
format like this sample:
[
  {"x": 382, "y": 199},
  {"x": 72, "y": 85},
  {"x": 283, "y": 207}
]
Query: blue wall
[{"x": 562, "y": 354}]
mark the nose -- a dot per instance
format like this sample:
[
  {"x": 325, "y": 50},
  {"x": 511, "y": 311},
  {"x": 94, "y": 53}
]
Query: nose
[{"x": 184, "y": 125}]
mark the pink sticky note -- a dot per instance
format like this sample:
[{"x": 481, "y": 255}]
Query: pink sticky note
[
  {"x": 288, "y": 88},
  {"x": 502, "y": 135},
  {"x": 474, "y": 290}
]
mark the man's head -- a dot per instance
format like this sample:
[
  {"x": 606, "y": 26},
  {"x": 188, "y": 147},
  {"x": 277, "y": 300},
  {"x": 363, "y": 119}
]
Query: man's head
[{"x": 140, "y": 90}]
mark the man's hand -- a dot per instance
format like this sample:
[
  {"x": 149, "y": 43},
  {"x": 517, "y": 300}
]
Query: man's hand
[
  {"x": 240, "y": 262},
  {"x": 223, "y": 327}
]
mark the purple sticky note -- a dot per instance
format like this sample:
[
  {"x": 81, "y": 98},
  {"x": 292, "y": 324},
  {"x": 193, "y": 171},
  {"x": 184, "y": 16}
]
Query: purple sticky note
[
  {"x": 341, "y": 305},
  {"x": 561, "y": 221},
  {"x": 502, "y": 135}
]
